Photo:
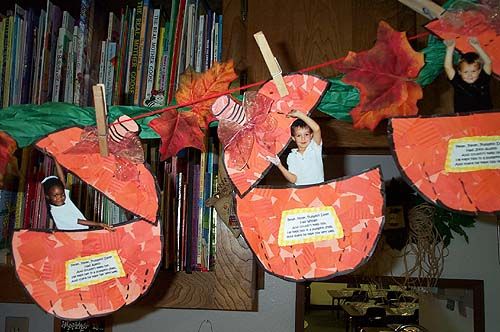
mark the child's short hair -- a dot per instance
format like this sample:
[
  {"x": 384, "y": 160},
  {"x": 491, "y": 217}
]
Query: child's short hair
[
  {"x": 470, "y": 58},
  {"x": 298, "y": 124},
  {"x": 50, "y": 183}
]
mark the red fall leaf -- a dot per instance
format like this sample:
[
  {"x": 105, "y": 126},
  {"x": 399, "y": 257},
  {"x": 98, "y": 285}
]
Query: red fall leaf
[
  {"x": 384, "y": 76},
  {"x": 177, "y": 130},
  {"x": 195, "y": 86},
  {"x": 7, "y": 148}
]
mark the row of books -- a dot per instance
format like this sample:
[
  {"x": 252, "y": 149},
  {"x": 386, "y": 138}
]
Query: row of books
[
  {"x": 189, "y": 225},
  {"x": 49, "y": 55},
  {"x": 44, "y": 55},
  {"x": 147, "y": 49}
]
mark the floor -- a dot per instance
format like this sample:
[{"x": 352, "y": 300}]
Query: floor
[{"x": 323, "y": 321}]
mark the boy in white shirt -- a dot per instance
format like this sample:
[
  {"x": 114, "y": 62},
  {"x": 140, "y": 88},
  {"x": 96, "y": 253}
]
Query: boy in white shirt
[{"x": 305, "y": 163}]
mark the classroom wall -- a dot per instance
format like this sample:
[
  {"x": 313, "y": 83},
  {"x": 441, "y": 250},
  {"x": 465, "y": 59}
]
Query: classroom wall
[{"x": 450, "y": 319}]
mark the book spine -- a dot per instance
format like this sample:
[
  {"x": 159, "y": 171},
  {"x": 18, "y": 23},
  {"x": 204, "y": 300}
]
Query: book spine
[
  {"x": 110, "y": 70},
  {"x": 130, "y": 49},
  {"x": 199, "y": 44},
  {"x": 159, "y": 58},
  {"x": 135, "y": 51},
  {"x": 102, "y": 62},
  {"x": 58, "y": 65},
  {"x": 141, "y": 56},
  {"x": 8, "y": 66},
  {"x": 81, "y": 51},
  {"x": 150, "y": 76},
  {"x": 175, "y": 52},
  {"x": 3, "y": 25}
]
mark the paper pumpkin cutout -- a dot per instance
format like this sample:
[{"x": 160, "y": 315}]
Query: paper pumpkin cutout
[
  {"x": 127, "y": 258},
  {"x": 306, "y": 246},
  {"x": 305, "y": 92},
  {"x": 137, "y": 195},
  {"x": 452, "y": 161},
  {"x": 462, "y": 25}
]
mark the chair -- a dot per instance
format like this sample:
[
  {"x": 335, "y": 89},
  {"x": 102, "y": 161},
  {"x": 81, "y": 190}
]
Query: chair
[
  {"x": 374, "y": 317},
  {"x": 393, "y": 296},
  {"x": 358, "y": 296}
]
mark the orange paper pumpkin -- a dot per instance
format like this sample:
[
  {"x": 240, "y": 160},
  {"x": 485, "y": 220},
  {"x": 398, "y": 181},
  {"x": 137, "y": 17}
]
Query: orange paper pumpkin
[
  {"x": 129, "y": 257},
  {"x": 84, "y": 273},
  {"x": 462, "y": 25},
  {"x": 138, "y": 195},
  {"x": 314, "y": 232},
  {"x": 452, "y": 161}
]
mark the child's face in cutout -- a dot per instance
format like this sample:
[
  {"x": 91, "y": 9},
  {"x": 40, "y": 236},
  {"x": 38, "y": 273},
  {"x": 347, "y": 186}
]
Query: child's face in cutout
[
  {"x": 302, "y": 137},
  {"x": 56, "y": 196},
  {"x": 469, "y": 72}
]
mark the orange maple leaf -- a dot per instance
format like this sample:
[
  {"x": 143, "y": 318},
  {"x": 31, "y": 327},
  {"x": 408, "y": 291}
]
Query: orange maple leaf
[
  {"x": 384, "y": 76},
  {"x": 195, "y": 86}
]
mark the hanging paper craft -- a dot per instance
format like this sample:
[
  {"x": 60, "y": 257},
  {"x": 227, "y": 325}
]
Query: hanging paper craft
[
  {"x": 81, "y": 273},
  {"x": 135, "y": 193},
  {"x": 384, "y": 77},
  {"x": 262, "y": 129},
  {"x": 314, "y": 232},
  {"x": 474, "y": 21},
  {"x": 452, "y": 161}
]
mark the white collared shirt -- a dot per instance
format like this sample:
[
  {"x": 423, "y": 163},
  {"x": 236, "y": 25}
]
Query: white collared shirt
[{"x": 307, "y": 166}]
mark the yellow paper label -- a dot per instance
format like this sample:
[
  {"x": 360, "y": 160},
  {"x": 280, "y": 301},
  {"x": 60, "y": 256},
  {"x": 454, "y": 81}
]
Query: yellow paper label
[
  {"x": 473, "y": 153},
  {"x": 307, "y": 225},
  {"x": 94, "y": 269}
]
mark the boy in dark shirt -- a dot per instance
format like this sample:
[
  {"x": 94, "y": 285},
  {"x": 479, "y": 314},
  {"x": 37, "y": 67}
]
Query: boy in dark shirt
[{"x": 472, "y": 84}]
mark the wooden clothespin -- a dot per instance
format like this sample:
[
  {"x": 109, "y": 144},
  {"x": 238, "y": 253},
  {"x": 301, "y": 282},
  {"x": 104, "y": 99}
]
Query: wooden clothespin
[
  {"x": 101, "y": 116},
  {"x": 272, "y": 63},
  {"x": 426, "y": 8}
]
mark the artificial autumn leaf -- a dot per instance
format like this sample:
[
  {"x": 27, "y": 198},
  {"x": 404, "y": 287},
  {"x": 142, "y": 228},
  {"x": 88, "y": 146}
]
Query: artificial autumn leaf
[
  {"x": 7, "y": 148},
  {"x": 384, "y": 76},
  {"x": 177, "y": 130},
  {"x": 195, "y": 86}
]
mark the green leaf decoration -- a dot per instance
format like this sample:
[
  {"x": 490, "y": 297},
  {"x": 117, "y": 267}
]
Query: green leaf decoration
[{"x": 339, "y": 99}]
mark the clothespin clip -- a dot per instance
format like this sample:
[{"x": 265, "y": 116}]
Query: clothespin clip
[
  {"x": 101, "y": 116},
  {"x": 272, "y": 63},
  {"x": 426, "y": 8}
]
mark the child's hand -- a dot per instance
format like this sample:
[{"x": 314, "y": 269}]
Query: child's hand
[
  {"x": 474, "y": 41},
  {"x": 107, "y": 227},
  {"x": 294, "y": 114},
  {"x": 449, "y": 42},
  {"x": 273, "y": 160}
]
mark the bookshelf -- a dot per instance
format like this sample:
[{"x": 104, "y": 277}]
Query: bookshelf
[{"x": 232, "y": 283}]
